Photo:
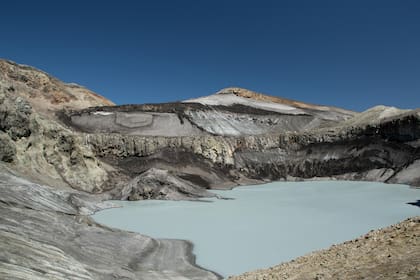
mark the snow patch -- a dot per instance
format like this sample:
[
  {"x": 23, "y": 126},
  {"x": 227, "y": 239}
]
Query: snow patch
[
  {"x": 389, "y": 112},
  {"x": 232, "y": 99},
  {"x": 103, "y": 113}
]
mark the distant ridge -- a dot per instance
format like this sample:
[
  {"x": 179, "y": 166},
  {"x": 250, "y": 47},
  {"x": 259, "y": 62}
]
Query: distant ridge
[
  {"x": 46, "y": 93},
  {"x": 239, "y": 96},
  {"x": 246, "y": 93}
]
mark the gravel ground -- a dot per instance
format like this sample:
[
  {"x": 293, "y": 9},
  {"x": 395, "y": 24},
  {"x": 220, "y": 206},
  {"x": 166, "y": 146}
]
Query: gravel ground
[{"x": 389, "y": 253}]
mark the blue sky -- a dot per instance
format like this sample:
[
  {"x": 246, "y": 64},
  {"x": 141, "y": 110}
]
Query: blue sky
[{"x": 353, "y": 54}]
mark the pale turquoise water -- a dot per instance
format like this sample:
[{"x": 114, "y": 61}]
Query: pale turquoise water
[{"x": 268, "y": 224}]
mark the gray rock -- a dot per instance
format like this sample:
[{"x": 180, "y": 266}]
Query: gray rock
[
  {"x": 14, "y": 115},
  {"x": 162, "y": 184},
  {"x": 7, "y": 148},
  {"x": 45, "y": 233},
  {"x": 332, "y": 152}
]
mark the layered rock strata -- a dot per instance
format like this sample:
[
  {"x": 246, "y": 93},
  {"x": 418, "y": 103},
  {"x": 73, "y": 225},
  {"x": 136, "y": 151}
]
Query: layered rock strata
[
  {"x": 46, "y": 233},
  {"x": 385, "y": 151}
]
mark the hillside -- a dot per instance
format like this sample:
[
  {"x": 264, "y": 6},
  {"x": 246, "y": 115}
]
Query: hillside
[{"x": 45, "y": 93}]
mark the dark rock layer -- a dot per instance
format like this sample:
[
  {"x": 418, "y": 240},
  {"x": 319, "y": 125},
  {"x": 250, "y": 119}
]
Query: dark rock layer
[{"x": 374, "y": 152}]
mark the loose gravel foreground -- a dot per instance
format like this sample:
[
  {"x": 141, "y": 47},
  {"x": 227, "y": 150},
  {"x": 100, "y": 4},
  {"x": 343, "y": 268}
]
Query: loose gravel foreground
[{"x": 388, "y": 253}]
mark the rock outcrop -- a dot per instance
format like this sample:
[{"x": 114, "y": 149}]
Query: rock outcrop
[
  {"x": 378, "y": 151},
  {"x": 43, "y": 150},
  {"x": 162, "y": 184},
  {"x": 45, "y": 93},
  {"x": 243, "y": 134},
  {"x": 219, "y": 140},
  {"x": 224, "y": 114},
  {"x": 45, "y": 233}
]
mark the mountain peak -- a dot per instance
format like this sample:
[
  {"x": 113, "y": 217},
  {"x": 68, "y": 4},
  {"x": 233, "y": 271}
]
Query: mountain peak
[
  {"x": 246, "y": 93},
  {"x": 235, "y": 90},
  {"x": 240, "y": 96}
]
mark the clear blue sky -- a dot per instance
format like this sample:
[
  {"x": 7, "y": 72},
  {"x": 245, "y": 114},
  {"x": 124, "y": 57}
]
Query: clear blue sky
[{"x": 347, "y": 53}]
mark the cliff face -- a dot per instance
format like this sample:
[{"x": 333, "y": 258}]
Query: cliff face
[
  {"x": 233, "y": 137},
  {"x": 42, "y": 150},
  {"x": 33, "y": 142},
  {"x": 46, "y": 171},
  {"x": 383, "y": 151}
]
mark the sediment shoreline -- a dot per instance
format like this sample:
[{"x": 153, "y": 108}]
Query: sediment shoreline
[
  {"x": 47, "y": 233},
  {"x": 392, "y": 252}
]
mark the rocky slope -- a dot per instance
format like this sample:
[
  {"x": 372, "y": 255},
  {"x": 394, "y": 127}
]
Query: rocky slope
[
  {"x": 42, "y": 149},
  {"x": 164, "y": 151},
  {"x": 366, "y": 147},
  {"x": 43, "y": 228},
  {"x": 45, "y": 93},
  {"x": 224, "y": 114},
  {"x": 231, "y": 96},
  {"x": 233, "y": 136},
  {"x": 389, "y": 253},
  {"x": 45, "y": 233}
]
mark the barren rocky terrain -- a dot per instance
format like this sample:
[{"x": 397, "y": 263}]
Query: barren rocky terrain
[
  {"x": 388, "y": 253},
  {"x": 46, "y": 233},
  {"x": 64, "y": 150}
]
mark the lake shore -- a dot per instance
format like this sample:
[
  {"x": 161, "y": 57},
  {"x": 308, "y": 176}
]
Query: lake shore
[
  {"x": 389, "y": 253},
  {"x": 262, "y": 226},
  {"x": 55, "y": 222},
  {"x": 46, "y": 233}
]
